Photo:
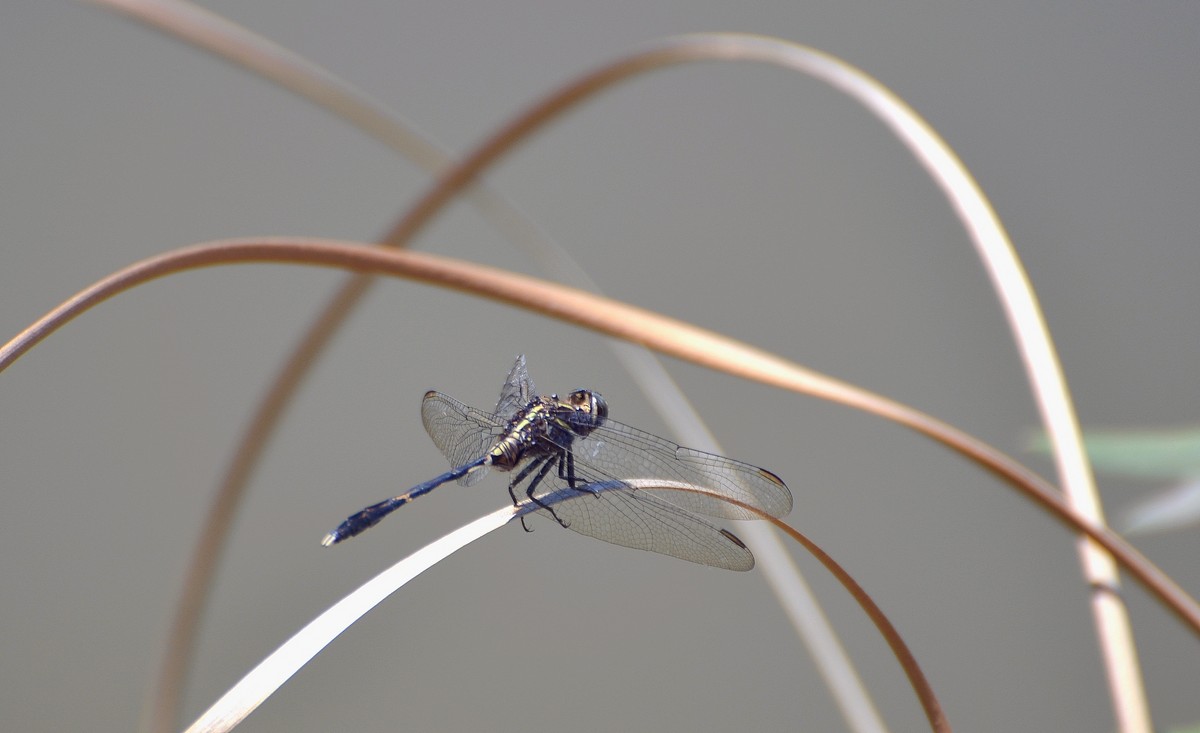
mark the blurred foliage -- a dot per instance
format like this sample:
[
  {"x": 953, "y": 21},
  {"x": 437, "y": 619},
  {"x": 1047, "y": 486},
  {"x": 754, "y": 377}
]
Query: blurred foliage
[
  {"x": 1148, "y": 455},
  {"x": 1140, "y": 454}
]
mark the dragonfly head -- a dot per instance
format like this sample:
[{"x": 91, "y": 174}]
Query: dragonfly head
[{"x": 588, "y": 410}]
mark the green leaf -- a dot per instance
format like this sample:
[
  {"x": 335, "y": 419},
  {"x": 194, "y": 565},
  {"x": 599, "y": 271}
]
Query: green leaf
[{"x": 1142, "y": 454}]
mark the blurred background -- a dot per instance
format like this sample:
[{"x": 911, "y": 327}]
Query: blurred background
[{"x": 743, "y": 198}]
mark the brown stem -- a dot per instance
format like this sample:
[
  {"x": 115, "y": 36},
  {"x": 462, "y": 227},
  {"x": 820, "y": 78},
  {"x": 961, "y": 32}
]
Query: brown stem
[{"x": 667, "y": 335}]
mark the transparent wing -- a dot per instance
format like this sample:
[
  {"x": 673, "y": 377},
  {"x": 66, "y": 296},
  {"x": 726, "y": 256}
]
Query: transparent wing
[
  {"x": 516, "y": 392},
  {"x": 461, "y": 433},
  {"x": 617, "y": 451},
  {"x": 634, "y": 518}
]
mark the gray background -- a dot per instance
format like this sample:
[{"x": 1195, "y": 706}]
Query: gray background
[{"x": 742, "y": 198}]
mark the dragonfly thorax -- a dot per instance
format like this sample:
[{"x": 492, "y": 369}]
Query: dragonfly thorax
[{"x": 547, "y": 425}]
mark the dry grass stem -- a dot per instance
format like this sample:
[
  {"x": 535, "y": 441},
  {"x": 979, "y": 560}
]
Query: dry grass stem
[
  {"x": 666, "y": 335},
  {"x": 269, "y": 675},
  {"x": 983, "y": 226},
  {"x": 238, "y": 45}
]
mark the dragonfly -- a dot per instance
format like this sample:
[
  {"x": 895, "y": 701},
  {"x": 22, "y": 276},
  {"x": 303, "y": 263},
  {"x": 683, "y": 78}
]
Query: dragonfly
[{"x": 621, "y": 485}]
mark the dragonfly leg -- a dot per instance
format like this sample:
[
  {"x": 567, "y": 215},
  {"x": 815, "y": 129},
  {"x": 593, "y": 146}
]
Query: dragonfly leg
[
  {"x": 569, "y": 465},
  {"x": 521, "y": 477},
  {"x": 569, "y": 476},
  {"x": 537, "y": 480},
  {"x": 544, "y": 463},
  {"x": 518, "y": 479}
]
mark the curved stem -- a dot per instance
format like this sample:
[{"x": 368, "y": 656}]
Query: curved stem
[
  {"x": 278, "y": 667},
  {"x": 920, "y": 684},
  {"x": 992, "y": 243},
  {"x": 661, "y": 333},
  {"x": 1016, "y": 294}
]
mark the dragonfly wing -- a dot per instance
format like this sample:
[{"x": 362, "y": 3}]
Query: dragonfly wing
[
  {"x": 516, "y": 393},
  {"x": 635, "y": 518},
  {"x": 461, "y": 433},
  {"x": 617, "y": 451}
]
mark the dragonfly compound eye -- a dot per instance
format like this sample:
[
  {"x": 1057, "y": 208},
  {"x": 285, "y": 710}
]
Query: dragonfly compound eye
[{"x": 590, "y": 410}]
